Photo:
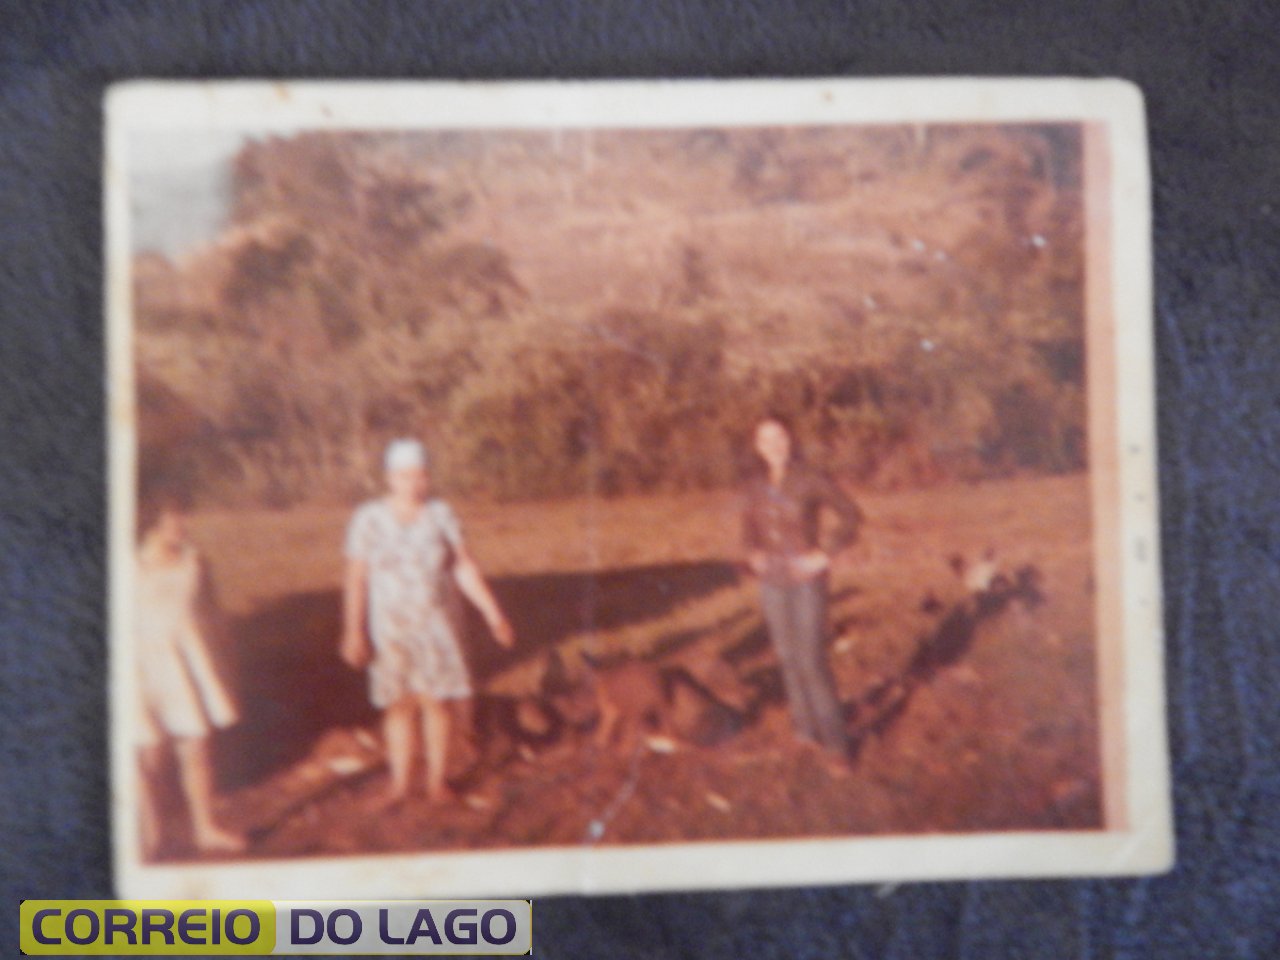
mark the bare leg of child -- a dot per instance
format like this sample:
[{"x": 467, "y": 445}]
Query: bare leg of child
[
  {"x": 463, "y": 717},
  {"x": 435, "y": 728},
  {"x": 398, "y": 723},
  {"x": 196, "y": 766},
  {"x": 149, "y": 762}
]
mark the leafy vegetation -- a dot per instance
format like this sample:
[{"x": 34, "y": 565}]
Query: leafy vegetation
[{"x": 609, "y": 311}]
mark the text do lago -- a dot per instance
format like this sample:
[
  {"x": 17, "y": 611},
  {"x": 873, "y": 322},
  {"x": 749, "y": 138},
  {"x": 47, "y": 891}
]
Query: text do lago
[{"x": 463, "y": 926}]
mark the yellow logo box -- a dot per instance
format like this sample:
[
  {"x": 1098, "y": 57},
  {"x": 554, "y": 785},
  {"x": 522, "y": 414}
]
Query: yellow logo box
[
  {"x": 267, "y": 927},
  {"x": 155, "y": 927}
]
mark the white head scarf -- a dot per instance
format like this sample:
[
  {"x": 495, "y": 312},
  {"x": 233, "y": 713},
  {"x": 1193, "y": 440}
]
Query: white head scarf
[{"x": 405, "y": 454}]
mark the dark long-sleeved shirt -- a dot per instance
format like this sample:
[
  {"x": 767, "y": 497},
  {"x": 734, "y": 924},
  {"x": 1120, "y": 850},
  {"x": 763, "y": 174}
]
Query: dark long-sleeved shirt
[{"x": 785, "y": 521}]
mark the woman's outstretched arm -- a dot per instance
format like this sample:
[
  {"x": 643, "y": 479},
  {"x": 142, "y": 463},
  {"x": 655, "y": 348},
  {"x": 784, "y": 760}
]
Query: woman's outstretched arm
[
  {"x": 474, "y": 587},
  {"x": 355, "y": 598}
]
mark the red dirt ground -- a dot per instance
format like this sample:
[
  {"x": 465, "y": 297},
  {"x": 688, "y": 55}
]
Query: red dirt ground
[{"x": 968, "y": 717}]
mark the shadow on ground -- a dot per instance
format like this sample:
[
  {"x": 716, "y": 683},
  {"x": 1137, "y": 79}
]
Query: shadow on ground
[{"x": 293, "y": 686}]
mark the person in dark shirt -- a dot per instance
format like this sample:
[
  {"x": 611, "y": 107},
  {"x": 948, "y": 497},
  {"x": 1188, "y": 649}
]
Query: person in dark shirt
[{"x": 781, "y": 526}]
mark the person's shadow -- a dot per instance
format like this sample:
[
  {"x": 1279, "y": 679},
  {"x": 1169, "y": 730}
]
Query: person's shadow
[{"x": 942, "y": 647}]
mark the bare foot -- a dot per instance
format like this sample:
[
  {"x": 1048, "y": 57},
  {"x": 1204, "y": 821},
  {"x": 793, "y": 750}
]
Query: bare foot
[
  {"x": 212, "y": 839},
  {"x": 839, "y": 766},
  {"x": 389, "y": 800},
  {"x": 441, "y": 796}
]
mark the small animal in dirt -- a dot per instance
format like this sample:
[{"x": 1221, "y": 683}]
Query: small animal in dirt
[
  {"x": 981, "y": 575},
  {"x": 988, "y": 583},
  {"x": 624, "y": 702},
  {"x": 631, "y": 699},
  {"x": 500, "y": 726},
  {"x": 591, "y": 698}
]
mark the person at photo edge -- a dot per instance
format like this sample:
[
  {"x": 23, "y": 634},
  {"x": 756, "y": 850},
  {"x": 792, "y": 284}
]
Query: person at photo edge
[
  {"x": 185, "y": 695},
  {"x": 781, "y": 523},
  {"x": 400, "y": 549}
]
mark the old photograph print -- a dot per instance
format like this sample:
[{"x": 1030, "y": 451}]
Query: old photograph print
[{"x": 528, "y": 488}]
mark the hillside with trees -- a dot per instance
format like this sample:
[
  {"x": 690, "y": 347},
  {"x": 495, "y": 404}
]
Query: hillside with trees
[{"x": 560, "y": 313}]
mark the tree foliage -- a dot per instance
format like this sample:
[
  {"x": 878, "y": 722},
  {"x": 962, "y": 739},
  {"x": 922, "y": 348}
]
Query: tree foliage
[{"x": 610, "y": 312}]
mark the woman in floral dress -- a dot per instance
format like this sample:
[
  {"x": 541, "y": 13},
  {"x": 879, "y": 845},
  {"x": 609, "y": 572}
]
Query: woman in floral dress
[{"x": 400, "y": 551}]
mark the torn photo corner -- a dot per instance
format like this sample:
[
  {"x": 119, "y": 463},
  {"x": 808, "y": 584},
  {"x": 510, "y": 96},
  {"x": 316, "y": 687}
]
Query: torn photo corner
[{"x": 527, "y": 488}]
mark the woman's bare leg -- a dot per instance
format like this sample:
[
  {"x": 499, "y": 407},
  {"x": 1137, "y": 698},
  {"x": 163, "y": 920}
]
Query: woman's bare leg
[
  {"x": 149, "y": 806},
  {"x": 463, "y": 716},
  {"x": 196, "y": 766},
  {"x": 435, "y": 728},
  {"x": 398, "y": 729}
]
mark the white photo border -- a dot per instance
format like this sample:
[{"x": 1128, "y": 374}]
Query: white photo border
[{"x": 1138, "y": 838}]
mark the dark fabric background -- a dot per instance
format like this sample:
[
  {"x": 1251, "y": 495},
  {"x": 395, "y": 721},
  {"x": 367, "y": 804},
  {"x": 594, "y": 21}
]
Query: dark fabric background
[{"x": 1210, "y": 74}]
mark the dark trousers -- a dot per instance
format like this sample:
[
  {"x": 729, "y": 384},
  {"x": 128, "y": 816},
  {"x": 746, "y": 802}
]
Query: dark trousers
[{"x": 796, "y": 615}]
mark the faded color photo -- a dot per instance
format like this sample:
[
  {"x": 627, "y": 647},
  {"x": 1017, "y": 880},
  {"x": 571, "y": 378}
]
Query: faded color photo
[{"x": 613, "y": 486}]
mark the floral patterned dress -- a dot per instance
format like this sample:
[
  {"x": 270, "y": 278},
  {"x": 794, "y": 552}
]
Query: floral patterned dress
[{"x": 412, "y": 621}]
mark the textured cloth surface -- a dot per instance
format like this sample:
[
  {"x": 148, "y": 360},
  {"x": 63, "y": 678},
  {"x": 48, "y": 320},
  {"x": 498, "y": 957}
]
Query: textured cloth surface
[{"x": 1210, "y": 73}]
